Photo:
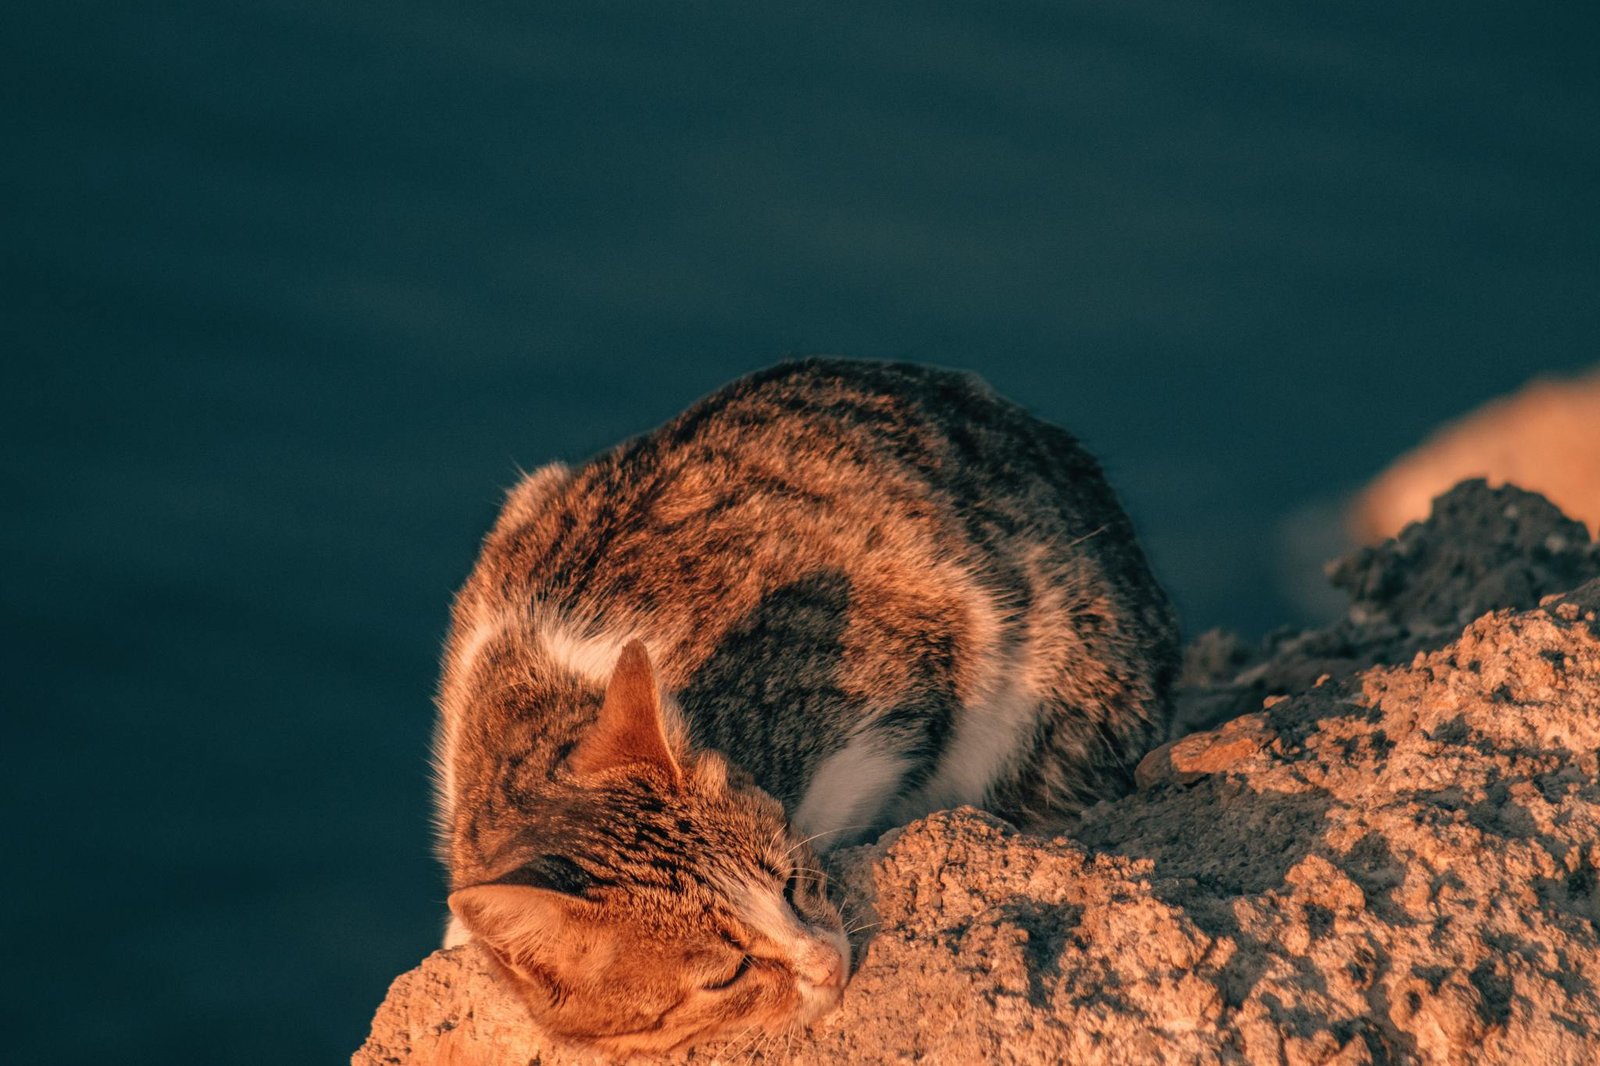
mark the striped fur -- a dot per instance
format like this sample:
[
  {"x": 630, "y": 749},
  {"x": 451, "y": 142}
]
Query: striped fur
[{"x": 862, "y": 592}]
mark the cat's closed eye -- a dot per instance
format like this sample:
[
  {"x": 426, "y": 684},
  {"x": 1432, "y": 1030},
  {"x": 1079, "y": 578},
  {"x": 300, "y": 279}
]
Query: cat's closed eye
[{"x": 728, "y": 982}]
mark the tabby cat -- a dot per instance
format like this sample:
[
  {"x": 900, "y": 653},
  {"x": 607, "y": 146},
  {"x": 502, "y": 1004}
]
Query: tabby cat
[{"x": 825, "y": 600}]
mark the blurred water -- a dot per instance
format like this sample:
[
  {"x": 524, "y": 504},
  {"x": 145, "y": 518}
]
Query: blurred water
[{"x": 291, "y": 290}]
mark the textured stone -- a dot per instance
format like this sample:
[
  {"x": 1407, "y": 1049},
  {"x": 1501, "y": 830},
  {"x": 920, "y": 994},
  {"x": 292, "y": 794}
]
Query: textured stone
[
  {"x": 1543, "y": 438},
  {"x": 1397, "y": 861}
]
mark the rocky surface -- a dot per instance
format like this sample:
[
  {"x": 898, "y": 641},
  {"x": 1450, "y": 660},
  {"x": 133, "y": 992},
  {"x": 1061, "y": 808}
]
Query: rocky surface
[
  {"x": 1392, "y": 856},
  {"x": 1542, "y": 437},
  {"x": 1482, "y": 549}
]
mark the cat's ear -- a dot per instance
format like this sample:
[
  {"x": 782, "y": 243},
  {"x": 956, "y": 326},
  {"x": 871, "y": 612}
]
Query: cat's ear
[
  {"x": 630, "y": 730},
  {"x": 519, "y": 923}
]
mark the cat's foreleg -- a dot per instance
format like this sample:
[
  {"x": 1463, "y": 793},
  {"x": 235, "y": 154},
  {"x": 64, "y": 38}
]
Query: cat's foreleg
[{"x": 853, "y": 789}]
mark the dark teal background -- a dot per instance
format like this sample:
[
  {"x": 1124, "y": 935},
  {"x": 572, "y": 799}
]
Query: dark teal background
[{"x": 291, "y": 289}]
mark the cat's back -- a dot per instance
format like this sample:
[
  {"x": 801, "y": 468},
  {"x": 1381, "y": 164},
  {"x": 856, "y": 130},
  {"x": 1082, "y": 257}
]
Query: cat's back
[
  {"x": 813, "y": 462},
  {"x": 807, "y": 454},
  {"x": 864, "y": 570}
]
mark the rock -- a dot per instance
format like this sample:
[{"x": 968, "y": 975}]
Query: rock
[
  {"x": 1543, "y": 438},
  {"x": 1183, "y": 762},
  {"x": 1397, "y": 860},
  {"x": 450, "y": 1011},
  {"x": 1480, "y": 549}
]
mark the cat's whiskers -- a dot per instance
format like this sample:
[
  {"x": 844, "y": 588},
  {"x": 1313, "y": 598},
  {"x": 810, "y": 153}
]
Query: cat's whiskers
[
  {"x": 826, "y": 832},
  {"x": 1087, "y": 536},
  {"x": 739, "y": 1046},
  {"x": 777, "y": 838},
  {"x": 793, "y": 1033},
  {"x": 759, "y": 1035}
]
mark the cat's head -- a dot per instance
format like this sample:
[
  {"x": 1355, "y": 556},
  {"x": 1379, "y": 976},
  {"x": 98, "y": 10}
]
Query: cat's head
[{"x": 665, "y": 902}]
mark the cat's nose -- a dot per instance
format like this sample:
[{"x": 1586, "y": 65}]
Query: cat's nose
[{"x": 825, "y": 969}]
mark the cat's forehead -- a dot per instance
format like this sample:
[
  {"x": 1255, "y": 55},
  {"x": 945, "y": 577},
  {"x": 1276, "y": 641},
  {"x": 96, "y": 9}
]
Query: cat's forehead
[
  {"x": 666, "y": 844},
  {"x": 746, "y": 822}
]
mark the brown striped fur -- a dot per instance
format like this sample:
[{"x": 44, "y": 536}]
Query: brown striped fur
[{"x": 828, "y": 598}]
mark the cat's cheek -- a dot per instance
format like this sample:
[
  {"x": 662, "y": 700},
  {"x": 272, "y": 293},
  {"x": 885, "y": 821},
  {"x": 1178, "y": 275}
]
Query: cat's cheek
[
  {"x": 785, "y": 1001},
  {"x": 771, "y": 1002},
  {"x": 714, "y": 1016}
]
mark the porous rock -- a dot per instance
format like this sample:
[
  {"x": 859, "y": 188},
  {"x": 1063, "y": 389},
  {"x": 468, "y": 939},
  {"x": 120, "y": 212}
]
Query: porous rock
[
  {"x": 1542, "y": 437},
  {"x": 1481, "y": 549},
  {"x": 1397, "y": 860}
]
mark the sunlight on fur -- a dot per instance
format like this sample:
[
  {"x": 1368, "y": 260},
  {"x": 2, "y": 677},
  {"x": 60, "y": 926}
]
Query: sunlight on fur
[
  {"x": 825, "y": 600},
  {"x": 649, "y": 956}
]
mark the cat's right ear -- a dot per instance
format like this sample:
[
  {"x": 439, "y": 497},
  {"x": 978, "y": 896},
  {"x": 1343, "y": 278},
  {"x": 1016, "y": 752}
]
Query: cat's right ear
[
  {"x": 518, "y": 923},
  {"x": 630, "y": 730}
]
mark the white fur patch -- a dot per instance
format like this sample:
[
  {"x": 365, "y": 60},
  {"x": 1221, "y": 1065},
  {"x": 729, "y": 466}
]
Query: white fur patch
[
  {"x": 993, "y": 728},
  {"x": 594, "y": 658},
  {"x": 849, "y": 791},
  {"x": 478, "y": 637},
  {"x": 590, "y": 656},
  {"x": 470, "y": 647},
  {"x": 765, "y": 909},
  {"x": 456, "y": 933}
]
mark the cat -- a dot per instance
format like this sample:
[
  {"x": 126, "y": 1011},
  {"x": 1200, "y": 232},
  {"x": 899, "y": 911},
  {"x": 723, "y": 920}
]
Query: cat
[{"x": 825, "y": 600}]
